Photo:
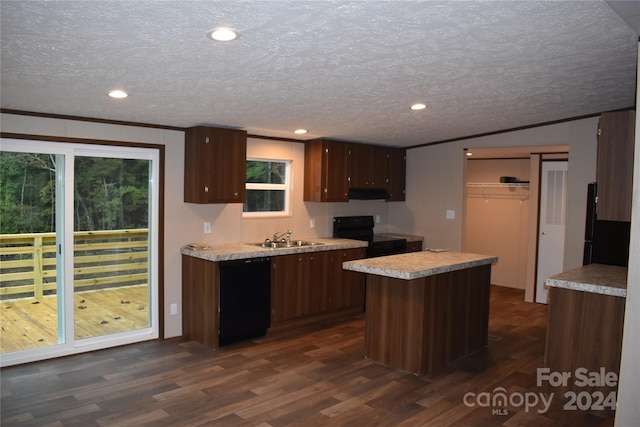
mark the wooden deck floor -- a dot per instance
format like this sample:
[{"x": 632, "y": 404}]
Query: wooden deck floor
[{"x": 28, "y": 323}]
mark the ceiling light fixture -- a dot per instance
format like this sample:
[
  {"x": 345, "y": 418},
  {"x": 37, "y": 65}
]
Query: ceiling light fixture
[
  {"x": 118, "y": 94},
  {"x": 418, "y": 106},
  {"x": 300, "y": 131},
  {"x": 223, "y": 34},
  {"x": 469, "y": 154}
]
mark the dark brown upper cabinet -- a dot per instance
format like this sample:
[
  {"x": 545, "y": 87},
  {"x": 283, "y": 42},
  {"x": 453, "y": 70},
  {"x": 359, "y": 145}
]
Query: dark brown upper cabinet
[
  {"x": 326, "y": 171},
  {"x": 368, "y": 166},
  {"x": 614, "y": 173},
  {"x": 331, "y": 168},
  {"x": 396, "y": 174},
  {"x": 215, "y": 164}
]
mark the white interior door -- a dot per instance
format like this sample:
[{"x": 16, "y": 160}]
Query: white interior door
[{"x": 553, "y": 188}]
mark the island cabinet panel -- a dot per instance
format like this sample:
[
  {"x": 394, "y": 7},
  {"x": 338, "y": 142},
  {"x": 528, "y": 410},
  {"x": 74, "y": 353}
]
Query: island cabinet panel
[
  {"x": 423, "y": 324},
  {"x": 584, "y": 331},
  {"x": 326, "y": 171},
  {"x": 215, "y": 165},
  {"x": 200, "y": 289},
  {"x": 616, "y": 135}
]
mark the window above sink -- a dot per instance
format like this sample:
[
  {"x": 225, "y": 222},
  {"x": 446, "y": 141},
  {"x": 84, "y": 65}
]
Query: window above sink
[{"x": 268, "y": 188}]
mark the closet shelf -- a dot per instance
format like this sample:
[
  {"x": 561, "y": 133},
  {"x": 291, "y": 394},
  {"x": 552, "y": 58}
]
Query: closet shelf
[
  {"x": 524, "y": 185},
  {"x": 495, "y": 190}
]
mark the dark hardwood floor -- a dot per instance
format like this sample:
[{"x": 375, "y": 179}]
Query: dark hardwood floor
[{"x": 317, "y": 376}]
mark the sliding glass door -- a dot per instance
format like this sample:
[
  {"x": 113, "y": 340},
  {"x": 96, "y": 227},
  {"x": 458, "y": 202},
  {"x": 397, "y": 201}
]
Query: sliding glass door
[
  {"x": 79, "y": 254},
  {"x": 30, "y": 263}
]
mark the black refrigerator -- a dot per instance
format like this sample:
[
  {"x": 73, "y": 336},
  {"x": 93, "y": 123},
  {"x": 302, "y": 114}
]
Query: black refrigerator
[{"x": 606, "y": 242}]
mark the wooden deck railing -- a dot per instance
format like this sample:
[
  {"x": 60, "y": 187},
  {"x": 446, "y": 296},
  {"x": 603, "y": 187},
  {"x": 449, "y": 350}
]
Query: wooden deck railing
[{"x": 107, "y": 258}]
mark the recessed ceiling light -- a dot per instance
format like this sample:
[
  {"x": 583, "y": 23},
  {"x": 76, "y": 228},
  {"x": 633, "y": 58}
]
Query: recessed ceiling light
[
  {"x": 223, "y": 34},
  {"x": 300, "y": 131},
  {"x": 118, "y": 94},
  {"x": 418, "y": 106}
]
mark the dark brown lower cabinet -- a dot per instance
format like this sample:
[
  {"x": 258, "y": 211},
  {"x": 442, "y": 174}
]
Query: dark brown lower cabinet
[
  {"x": 200, "y": 290},
  {"x": 314, "y": 283},
  {"x": 298, "y": 285},
  {"x": 346, "y": 288},
  {"x": 304, "y": 286}
]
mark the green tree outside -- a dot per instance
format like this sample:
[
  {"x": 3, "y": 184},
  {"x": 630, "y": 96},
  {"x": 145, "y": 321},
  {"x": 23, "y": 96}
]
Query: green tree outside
[{"x": 109, "y": 194}]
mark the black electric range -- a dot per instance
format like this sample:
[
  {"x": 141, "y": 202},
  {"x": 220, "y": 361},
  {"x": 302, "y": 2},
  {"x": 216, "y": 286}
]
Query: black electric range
[{"x": 361, "y": 228}]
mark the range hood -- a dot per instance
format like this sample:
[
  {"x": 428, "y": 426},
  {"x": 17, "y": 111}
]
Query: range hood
[{"x": 368, "y": 194}]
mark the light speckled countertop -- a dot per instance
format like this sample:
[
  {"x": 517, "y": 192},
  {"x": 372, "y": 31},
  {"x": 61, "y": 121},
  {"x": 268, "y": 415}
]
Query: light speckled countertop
[
  {"x": 594, "y": 278},
  {"x": 231, "y": 251},
  {"x": 414, "y": 265}
]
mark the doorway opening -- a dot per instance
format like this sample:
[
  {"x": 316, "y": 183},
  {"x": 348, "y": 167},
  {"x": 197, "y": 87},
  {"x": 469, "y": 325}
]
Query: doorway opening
[{"x": 501, "y": 210}]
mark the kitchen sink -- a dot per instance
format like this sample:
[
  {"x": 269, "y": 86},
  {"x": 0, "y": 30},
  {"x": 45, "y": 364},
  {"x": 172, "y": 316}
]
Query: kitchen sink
[{"x": 293, "y": 244}]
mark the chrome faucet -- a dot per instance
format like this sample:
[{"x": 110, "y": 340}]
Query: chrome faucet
[{"x": 288, "y": 238}]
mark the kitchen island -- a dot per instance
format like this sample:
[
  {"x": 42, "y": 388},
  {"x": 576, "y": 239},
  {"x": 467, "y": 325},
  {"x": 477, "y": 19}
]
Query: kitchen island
[
  {"x": 584, "y": 327},
  {"x": 425, "y": 309}
]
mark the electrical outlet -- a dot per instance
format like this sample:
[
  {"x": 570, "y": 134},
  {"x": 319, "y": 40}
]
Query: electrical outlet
[
  {"x": 451, "y": 214},
  {"x": 174, "y": 309},
  {"x": 207, "y": 227},
  {"x": 377, "y": 219},
  {"x": 312, "y": 223}
]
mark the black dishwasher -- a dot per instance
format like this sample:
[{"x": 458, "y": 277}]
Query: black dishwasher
[{"x": 245, "y": 299}]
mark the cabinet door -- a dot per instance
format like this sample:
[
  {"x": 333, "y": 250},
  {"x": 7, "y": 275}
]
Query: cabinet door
[
  {"x": 316, "y": 282},
  {"x": 326, "y": 171},
  {"x": 358, "y": 167},
  {"x": 215, "y": 165},
  {"x": 346, "y": 288},
  {"x": 283, "y": 287},
  {"x": 285, "y": 299},
  {"x": 367, "y": 166},
  {"x": 336, "y": 172},
  {"x": 615, "y": 165},
  {"x": 299, "y": 285},
  {"x": 228, "y": 170},
  {"x": 396, "y": 174},
  {"x": 197, "y": 163}
]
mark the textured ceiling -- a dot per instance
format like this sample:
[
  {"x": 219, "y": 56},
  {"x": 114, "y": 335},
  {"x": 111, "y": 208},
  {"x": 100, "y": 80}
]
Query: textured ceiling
[{"x": 345, "y": 70}]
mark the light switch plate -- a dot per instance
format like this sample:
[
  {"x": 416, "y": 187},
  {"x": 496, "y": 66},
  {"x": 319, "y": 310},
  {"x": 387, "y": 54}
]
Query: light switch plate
[
  {"x": 451, "y": 214},
  {"x": 207, "y": 227},
  {"x": 312, "y": 223},
  {"x": 174, "y": 309}
]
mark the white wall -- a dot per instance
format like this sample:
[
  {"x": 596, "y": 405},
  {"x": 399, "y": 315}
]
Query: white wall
[
  {"x": 184, "y": 221},
  {"x": 435, "y": 183}
]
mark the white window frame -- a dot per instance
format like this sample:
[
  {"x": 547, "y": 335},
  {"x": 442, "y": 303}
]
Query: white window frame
[{"x": 287, "y": 187}]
